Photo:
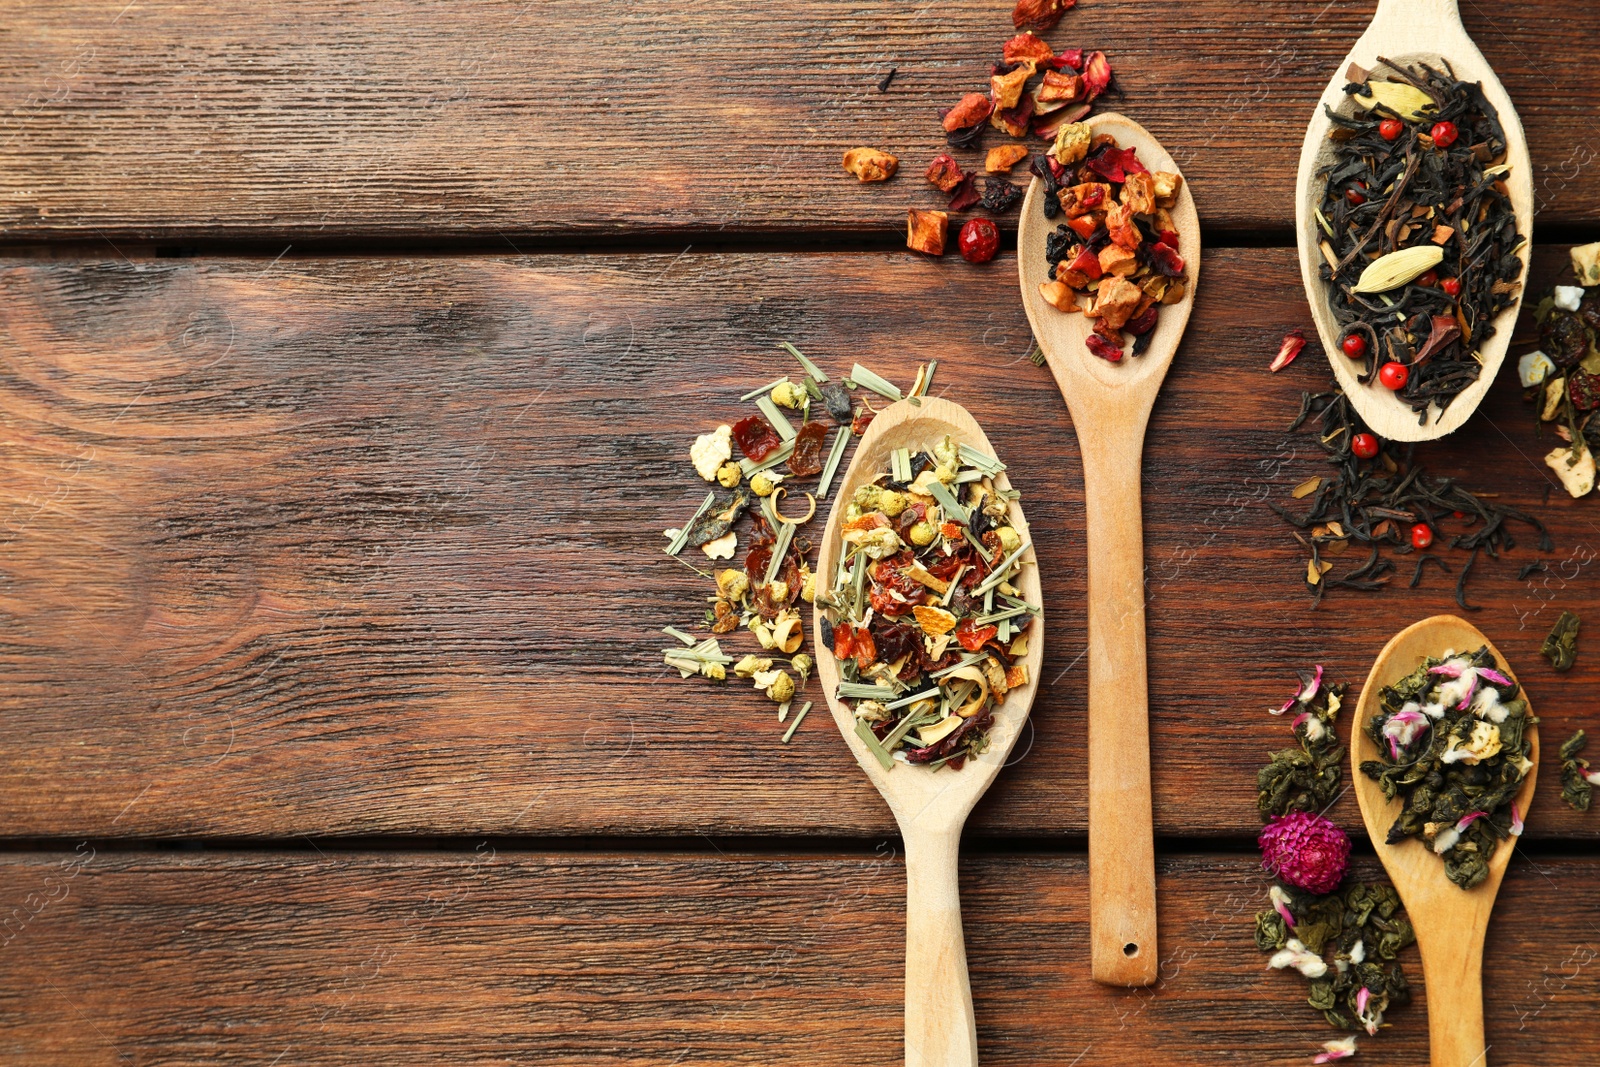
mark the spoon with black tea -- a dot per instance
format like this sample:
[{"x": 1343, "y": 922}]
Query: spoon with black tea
[{"x": 931, "y": 806}]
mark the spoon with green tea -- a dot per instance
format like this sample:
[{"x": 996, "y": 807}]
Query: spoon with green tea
[
  {"x": 1110, "y": 405},
  {"x": 931, "y": 806},
  {"x": 1450, "y": 922}
]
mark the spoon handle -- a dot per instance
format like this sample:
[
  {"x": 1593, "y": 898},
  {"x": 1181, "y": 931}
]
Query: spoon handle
[
  {"x": 1122, "y": 867},
  {"x": 1452, "y": 973},
  {"x": 1414, "y": 18},
  {"x": 940, "y": 1031}
]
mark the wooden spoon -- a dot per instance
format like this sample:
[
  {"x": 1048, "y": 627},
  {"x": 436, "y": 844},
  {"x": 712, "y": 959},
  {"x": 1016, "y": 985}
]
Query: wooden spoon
[
  {"x": 1110, "y": 405},
  {"x": 1450, "y": 921},
  {"x": 931, "y": 805},
  {"x": 1407, "y": 31}
]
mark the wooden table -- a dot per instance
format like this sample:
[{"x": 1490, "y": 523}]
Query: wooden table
[{"x": 351, "y": 354}]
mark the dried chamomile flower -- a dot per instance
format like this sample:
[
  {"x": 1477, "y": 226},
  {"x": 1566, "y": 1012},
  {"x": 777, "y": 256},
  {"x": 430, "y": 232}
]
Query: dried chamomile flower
[
  {"x": 762, "y": 484},
  {"x": 787, "y": 394},
  {"x": 733, "y": 583},
  {"x": 751, "y": 665},
  {"x": 729, "y": 475}
]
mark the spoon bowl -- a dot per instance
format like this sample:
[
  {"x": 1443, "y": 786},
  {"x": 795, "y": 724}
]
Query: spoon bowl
[
  {"x": 931, "y": 806},
  {"x": 1406, "y": 32},
  {"x": 1110, "y": 405},
  {"x": 1450, "y": 922}
]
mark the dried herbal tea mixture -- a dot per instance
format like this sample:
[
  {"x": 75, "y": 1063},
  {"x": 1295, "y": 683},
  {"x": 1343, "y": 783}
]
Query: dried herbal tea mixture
[
  {"x": 1577, "y": 781},
  {"x": 922, "y": 614},
  {"x": 1420, "y": 242},
  {"x": 1378, "y": 496},
  {"x": 1562, "y": 377},
  {"x": 1305, "y": 778},
  {"x": 1561, "y": 645},
  {"x": 1117, "y": 251},
  {"x": 1453, "y": 745},
  {"x": 760, "y": 591},
  {"x": 1362, "y": 926},
  {"x": 1033, "y": 92}
]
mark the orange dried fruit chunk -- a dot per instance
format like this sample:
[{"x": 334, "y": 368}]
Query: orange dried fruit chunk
[
  {"x": 926, "y": 231},
  {"x": 870, "y": 165}
]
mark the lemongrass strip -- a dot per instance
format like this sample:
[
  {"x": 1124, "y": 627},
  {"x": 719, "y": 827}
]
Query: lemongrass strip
[
  {"x": 682, "y": 539},
  {"x": 779, "y": 420},
  {"x": 868, "y": 380},
  {"x": 811, "y": 368},
  {"x": 799, "y": 717},
  {"x": 769, "y": 387},
  {"x": 841, "y": 437}
]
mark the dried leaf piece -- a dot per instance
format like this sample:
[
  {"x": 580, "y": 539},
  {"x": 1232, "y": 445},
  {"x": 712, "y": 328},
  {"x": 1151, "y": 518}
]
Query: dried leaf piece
[
  {"x": 944, "y": 172},
  {"x": 1561, "y": 647},
  {"x": 999, "y": 160},
  {"x": 925, "y": 232},
  {"x": 870, "y": 165},
  {"x": 1039, "y": 14}
]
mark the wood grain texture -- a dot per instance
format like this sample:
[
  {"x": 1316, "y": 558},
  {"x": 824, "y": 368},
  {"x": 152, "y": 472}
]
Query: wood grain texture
[
  {"x": 479, "y": 120},
  {"x": 336, "y": 546},
  {"x": 344, "y": 958}
]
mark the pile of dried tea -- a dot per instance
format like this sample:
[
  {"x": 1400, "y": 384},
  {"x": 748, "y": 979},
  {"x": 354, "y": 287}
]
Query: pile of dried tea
[
  {"x": 762, "y": 589},
  {"x": 1379, "y": 496},
  {"x": 1345, "y": 939},
  {"x": 1118, "y": 249},
  {"x": 1034, "y": 91},
  {"x": 1577, "y": 780},
  {"x": 1562, "y": 377},
  {"x": 922, "y": 614},
  {"x": 1453, "y": 744},
  {"x": 1420, "y": 240}
]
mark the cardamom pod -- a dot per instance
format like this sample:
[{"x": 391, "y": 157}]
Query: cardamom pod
[
  {"x": 1404, "y": 100},
  {"x": 1399, "y": 267}
]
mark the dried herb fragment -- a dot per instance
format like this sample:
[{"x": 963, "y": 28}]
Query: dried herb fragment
[
  {"x": 1577, "y": 783},
  {"x": 1453, "y": 745},
  {"x": 1363, "y": 927},
  {"x": 1561, "y": 646}
]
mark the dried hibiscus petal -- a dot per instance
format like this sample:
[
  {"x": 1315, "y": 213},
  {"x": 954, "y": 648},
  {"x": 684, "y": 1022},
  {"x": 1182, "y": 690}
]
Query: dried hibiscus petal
[
  {"x": 1069, "y": 58},
  {"x": 1039, "y": 14},
  {"x": 944, "y": 172},
  {"x": 1165, "y": 261},
  {"x": 1115, "y": 164},
  {"x": 806, "y": 459},
  {"x": 1584, "y": 390},
  {"x": 1293, "y": 342},
  {"x": 999, "y": 195},
  {"x": 1143, "y": 322},
  {"x": 965, "y": 194},
  {"x": 1096, "y": 74},
  {"x": 755, "y": 438},
  {"x": 1106, "y": 350}
]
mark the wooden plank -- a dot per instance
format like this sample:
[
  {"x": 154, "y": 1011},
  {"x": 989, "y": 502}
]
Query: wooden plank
[
  {"x": 700, "y": 958},
  {"x": 364, "y": 546},
  {"x": 478, "y": 121}
]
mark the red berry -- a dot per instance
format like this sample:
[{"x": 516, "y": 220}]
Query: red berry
[
  {"x": 1389, "y": 129},
  {"x": 1364, "y": 445},
  {"x": 1394, "y": 375},
  {"x": 979, "y": 241},
  {"x": 1444, "y": 134},
  {"x": 1421, "y": 535},
  {"x": 1451, "y": 286},
  {"x": 1354, "y": 345},
  {"x": 1355, "y": 197},
  {"x": 1429, "y": 280}
]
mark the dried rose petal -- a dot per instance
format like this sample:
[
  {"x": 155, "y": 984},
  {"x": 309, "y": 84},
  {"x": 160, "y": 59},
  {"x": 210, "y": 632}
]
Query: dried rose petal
[
  {"x": 1293, "y": 342},
  {"x": 1115, "y": 164},
  {"x": 1166, "y": 262},
  {"x": 944, "y": 172},
  {"x": 1039, "y": 14}
]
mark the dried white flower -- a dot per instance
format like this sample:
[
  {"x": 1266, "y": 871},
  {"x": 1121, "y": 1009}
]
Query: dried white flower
[{"x": 711, "y": 450}]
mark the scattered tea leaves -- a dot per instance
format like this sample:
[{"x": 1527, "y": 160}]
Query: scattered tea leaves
[
  {"x": 1561, "y": 646},
  {"x": 1577, "y": 782}
]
